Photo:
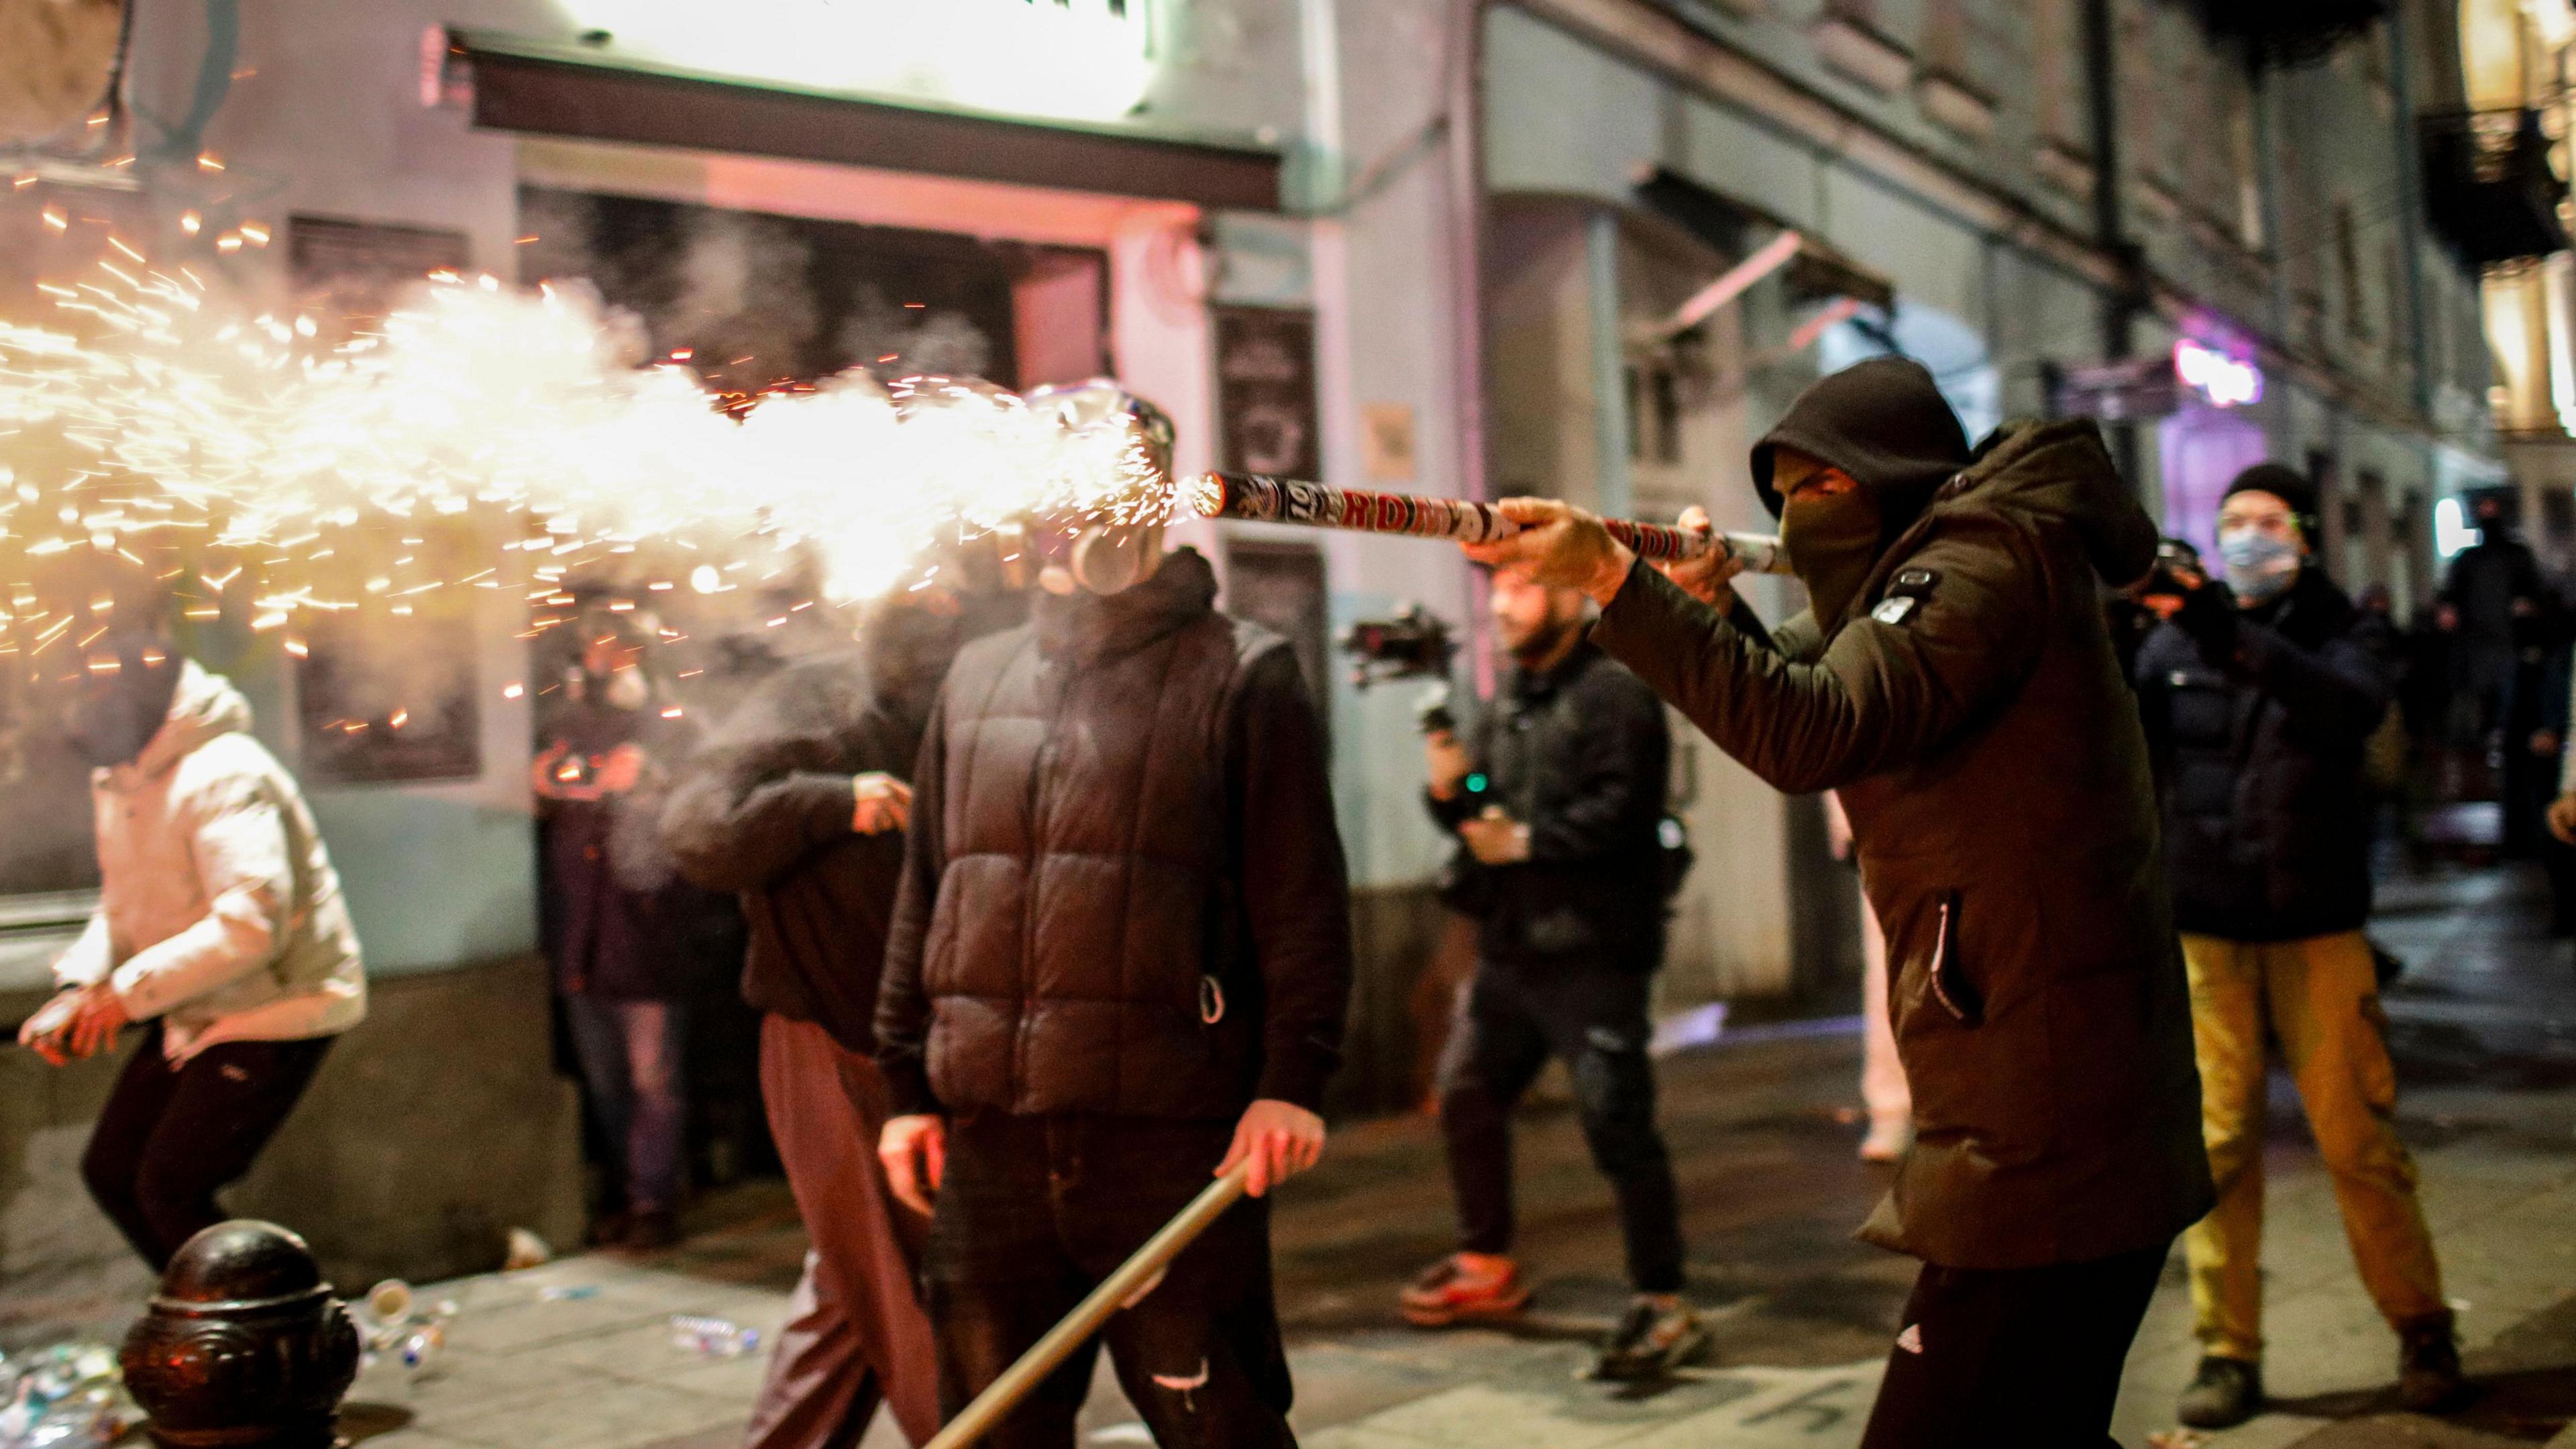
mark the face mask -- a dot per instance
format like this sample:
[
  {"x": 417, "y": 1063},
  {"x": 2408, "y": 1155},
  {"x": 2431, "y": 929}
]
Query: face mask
[
  {"x": 2260, "y": 566},
  {"x": 1833, "y": 542}
]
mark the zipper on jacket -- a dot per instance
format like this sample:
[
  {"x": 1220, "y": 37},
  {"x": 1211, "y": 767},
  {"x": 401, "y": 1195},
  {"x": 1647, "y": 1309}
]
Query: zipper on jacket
[
  {"x": 1957, "y": 997},
  {"x": 1035, "y": 796}
]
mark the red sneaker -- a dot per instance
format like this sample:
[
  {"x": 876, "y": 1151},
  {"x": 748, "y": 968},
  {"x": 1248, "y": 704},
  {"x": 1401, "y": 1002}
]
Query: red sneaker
[{"x": 1458, "y": 1290}]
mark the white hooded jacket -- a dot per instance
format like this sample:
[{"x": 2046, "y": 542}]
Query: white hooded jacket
[{"x": 218, "y": 911}]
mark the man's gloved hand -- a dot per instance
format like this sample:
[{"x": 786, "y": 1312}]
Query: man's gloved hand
[
  {"x": 2208, "y": 615},
  {"x": 48, "y": 1032}
]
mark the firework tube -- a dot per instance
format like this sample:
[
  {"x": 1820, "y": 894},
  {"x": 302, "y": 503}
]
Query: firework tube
[
  {"x": 1134, "y": 1279},
  {"x": 1291, "y": 500}
]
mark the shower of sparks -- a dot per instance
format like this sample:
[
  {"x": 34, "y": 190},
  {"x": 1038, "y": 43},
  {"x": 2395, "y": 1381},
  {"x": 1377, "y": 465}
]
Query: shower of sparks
[{"x": 242, "y": 456}]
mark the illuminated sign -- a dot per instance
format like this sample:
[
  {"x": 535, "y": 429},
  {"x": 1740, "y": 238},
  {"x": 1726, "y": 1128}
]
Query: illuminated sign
[
  {"x": 1083, "y": 60},
  {"x": 2222, "y": 380}
]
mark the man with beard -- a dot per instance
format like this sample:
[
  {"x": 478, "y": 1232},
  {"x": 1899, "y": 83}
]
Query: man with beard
[
  {"x": 1556, "y": 800},
  {"x": 800, "y": 803},
  {"x": 1955, "y": 682},
  {"x": 220, "y": 925}
]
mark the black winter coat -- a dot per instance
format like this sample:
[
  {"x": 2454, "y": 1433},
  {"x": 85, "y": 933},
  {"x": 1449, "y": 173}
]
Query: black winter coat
[
  {"x": 767, "y": 809},
  {"x": 2258, "y": 765},
  {"x": 1969, "y": 708},
  {"x": 615, "y": 917},
  {"x": 1123, "y": 893},
  {"x": 1579, "y": 755}
]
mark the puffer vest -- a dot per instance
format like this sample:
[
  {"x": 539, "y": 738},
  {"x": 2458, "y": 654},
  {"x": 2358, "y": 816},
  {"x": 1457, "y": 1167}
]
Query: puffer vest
[{"x": 1082, "y": 954}]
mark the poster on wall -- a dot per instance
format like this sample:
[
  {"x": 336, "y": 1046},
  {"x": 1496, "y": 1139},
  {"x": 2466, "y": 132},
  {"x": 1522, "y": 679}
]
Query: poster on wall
[
  {"x": 1265, "y": 380},
  {"x": 389, "y": 702}
]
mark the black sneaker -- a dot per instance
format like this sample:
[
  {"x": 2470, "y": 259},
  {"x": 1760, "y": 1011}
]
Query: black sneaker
[
  {"x": 2225, "y": 1393},
  {"x": 1650, "y": 1343},
  {"x": 2428, "y": 1368}
]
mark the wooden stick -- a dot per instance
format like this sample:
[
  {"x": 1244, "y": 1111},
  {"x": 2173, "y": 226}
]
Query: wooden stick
[{"x": 1132, "y": 1279}]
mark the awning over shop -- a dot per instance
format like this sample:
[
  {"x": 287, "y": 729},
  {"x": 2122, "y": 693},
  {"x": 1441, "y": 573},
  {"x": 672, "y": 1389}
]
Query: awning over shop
[
  {"x": 1766, "y": 243},
  {"x": 511, "y": 83}
]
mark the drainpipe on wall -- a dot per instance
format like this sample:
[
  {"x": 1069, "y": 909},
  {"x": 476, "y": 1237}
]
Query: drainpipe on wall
[
  {"x": 1611, "y": 493},
  {"x": 2410, "y": 209},
  {"x": 2410, "y": 228},
  {"x": 2267, "y": 182},
  {"x": 2110, "y": 232},
  {"x": 1467, "y": 227}
]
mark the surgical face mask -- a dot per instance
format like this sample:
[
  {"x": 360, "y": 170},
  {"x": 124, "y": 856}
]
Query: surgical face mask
[
  {"x": 1834, "y": 540},
  {"x": 2260, "y": 566}
]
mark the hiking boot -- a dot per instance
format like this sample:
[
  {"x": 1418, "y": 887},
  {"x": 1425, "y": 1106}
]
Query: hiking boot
[
  {"x": 1465, "y": 1288},
  {"x": 2225, "y": 1393},
  {"x": 2428, "y": 1367},
  {"x": 1657, "y": 1336}
]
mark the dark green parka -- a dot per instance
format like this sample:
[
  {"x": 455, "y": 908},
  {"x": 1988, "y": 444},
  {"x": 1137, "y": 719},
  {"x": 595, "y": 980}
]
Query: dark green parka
[{"x": 1969, "y": 708}]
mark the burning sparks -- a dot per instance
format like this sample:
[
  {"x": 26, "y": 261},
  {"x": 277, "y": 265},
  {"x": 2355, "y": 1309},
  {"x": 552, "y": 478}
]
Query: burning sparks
[{"x": 248, "y": 458}]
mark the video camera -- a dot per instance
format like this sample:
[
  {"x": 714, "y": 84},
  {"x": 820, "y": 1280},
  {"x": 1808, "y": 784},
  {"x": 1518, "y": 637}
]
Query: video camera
[{"x": 1412, "y": 643}]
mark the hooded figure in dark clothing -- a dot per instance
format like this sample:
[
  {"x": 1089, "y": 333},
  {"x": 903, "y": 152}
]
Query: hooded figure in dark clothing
[
  {"x": 800, "y": 803},
  {"x": 1955, "y": 683}
]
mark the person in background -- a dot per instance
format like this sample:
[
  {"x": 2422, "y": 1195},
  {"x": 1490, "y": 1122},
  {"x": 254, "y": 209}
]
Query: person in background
[
  {"x": 1556, "y": 798},
  {"x": 628, "y": 939},
  {"x": 2260, "y": 695},
  {"x": 800, "y": 803},
  {"x": 1954, "y": 680},
  {"x": 220, "y": 927},
  {"x": 2492, "y": 592}
]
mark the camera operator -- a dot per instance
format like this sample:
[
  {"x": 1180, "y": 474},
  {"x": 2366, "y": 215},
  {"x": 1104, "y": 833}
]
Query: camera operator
[
  {"x": 1556, "y": 800},
  {"x": 1956, "y": 684},
  {"x": 2260, "y": 695}
]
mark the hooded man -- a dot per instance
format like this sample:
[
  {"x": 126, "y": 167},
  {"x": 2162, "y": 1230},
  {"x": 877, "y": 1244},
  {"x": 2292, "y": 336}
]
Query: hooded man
[
  {"x": 1118, "y": 968},
  {"x": 219, "y": 924},
  {"x": 800, "y": 803},
  {"x": 2259, "y": 696},
  {"x": 1954, "y": 681}
]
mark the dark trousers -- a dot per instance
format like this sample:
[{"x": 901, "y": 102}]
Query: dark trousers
[
  {"x": 856, "y": 1333},
  {"x": 1514, "y": 1019},
  {"x": 630, "y": 1055},
  {"x": 170, "y": 1136},
  {"x": 2013, "y": 1356},
  {"x": 1036, "y": 1211}
]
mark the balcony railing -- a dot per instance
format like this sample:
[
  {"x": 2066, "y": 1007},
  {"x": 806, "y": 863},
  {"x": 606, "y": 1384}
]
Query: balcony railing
[{"x": 2489, "y": 186}]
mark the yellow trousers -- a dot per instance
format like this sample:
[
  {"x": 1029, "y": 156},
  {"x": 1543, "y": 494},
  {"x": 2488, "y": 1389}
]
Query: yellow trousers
[{"x": 2320, "y": 999}]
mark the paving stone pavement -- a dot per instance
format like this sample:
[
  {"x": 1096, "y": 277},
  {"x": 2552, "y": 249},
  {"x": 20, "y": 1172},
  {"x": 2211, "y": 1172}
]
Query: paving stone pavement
[{"x": 2484, "y": 1024}]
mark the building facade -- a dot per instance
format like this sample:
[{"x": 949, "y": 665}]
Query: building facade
[
  {"x": 2216, "y": 242},
  {"x": 1467, "y": 247}
]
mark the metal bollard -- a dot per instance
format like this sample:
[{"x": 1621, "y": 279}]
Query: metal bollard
[{"x": 244, "y": 1347}]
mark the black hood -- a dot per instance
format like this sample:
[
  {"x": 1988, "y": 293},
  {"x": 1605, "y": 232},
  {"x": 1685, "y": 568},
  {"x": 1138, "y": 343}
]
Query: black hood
[{"x": 1885, "y": 423}]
